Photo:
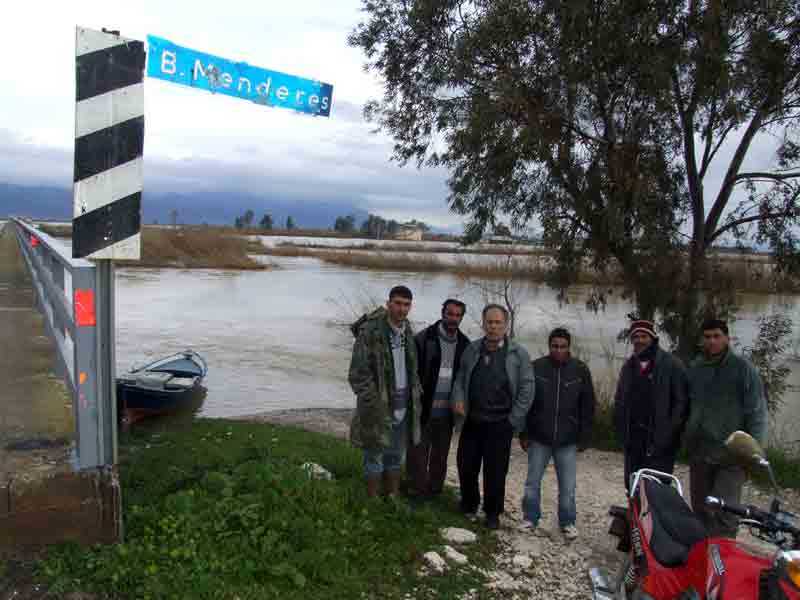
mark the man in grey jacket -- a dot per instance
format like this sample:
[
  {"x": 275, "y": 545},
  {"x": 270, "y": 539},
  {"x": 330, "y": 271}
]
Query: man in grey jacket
[{"x": 492, "y": 394}]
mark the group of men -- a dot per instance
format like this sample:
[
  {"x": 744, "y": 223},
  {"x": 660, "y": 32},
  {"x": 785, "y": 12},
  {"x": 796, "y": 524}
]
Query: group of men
[{"x": 414, "y": 391}]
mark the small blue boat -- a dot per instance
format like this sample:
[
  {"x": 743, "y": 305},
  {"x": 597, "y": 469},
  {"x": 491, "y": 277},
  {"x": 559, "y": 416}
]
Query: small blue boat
[{"x": 161, "y": 387}]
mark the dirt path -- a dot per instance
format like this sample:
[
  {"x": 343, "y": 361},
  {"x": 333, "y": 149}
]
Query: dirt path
[{"x": 558, "y": 569}]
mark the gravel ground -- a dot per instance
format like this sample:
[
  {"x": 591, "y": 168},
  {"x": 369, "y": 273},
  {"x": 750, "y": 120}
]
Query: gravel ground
[{"x": 558, "y": 568}]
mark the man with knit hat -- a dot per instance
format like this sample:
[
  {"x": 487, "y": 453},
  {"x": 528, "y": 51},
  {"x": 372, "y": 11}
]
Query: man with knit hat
[{"x": 651, "y": 404}]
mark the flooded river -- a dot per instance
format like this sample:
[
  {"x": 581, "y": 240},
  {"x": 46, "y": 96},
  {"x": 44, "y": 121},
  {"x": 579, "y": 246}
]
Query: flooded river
[{"x": 275, "y": 340}]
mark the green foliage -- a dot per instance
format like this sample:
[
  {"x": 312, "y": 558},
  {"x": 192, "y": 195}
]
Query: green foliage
[
  {"x": 244, "y": 221},
  {"x": 767, "y": 354},
  {"x": 374, "y": 226},
  {"x": 345, "y": 224},
  {"x": 266, "y": 222},
  {"x": 224, "y": 510},
  {"x": 601, "y": 122},
  {"x": 290, "y": 224}
]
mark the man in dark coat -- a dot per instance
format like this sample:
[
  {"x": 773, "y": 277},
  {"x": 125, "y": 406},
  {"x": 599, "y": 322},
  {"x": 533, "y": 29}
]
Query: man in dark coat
[
  {"x": 439, "y": 350},
  {"x": 651, "y": 404},
  {"x": 559, "y": 425}
]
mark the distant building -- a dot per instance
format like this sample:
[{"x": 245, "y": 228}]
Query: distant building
[
  {"x": 409, "y": 233},
  {"x": 498, "y": 239}
]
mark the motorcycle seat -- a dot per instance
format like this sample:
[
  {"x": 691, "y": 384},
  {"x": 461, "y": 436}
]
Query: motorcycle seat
[{"x": 675, "y": 527}]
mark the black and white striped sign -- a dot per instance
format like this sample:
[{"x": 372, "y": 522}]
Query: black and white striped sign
[{"x": 109, "y": 141}]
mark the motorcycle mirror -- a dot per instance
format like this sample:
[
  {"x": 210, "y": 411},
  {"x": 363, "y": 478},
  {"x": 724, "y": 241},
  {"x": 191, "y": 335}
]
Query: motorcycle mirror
[{"x": 745, "y": 449}]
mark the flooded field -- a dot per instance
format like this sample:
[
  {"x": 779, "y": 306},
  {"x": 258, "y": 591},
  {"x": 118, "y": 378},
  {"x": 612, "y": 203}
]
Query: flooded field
[{"x": 277, "y": 339}]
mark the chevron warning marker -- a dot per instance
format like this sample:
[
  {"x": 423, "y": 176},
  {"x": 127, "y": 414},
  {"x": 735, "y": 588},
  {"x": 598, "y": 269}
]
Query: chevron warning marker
[{"x": 109, "y": 142}]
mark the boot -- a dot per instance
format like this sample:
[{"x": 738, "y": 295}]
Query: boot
[
  {"x": 373, "y": 485},
  {"x": 391, "y": 483}
]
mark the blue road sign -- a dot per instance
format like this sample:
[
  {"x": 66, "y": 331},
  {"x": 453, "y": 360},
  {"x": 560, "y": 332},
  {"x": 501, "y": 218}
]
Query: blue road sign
[{"x": 177, "y": 64}]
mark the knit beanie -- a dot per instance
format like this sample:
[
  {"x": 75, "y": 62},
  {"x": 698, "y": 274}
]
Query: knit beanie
[{"x": 644, "y": 326}]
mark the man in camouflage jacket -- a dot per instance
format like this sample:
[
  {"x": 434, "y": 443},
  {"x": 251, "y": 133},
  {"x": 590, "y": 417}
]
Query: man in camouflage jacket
[{"x": 384, "y": 376}]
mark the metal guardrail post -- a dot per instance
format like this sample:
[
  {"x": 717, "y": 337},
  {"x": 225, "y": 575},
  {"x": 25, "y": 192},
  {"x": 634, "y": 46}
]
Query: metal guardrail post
[
  {"x": 85, "y": 313},
  {"x": 106, "y": 344}
]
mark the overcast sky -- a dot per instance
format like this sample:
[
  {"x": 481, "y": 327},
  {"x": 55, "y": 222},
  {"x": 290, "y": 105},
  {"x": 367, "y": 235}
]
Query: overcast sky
[{"x": 196, "y": 140}]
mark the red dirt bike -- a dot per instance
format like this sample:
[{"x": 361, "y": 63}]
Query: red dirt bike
[{"x": 671, "y": 557}]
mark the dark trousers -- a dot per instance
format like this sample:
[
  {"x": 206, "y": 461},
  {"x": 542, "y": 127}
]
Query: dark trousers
[
  {"x": 722, "y": 481},
  {"x": 636, "y": 458},
  {"x": 487, "y": 444},
  {"x": 427, "y": 462}
]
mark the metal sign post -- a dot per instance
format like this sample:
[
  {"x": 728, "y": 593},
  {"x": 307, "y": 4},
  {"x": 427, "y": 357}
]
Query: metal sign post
[{"x": 109, "y": 143}]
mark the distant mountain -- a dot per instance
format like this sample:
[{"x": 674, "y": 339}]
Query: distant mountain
[{"x": 215, "y": 208}]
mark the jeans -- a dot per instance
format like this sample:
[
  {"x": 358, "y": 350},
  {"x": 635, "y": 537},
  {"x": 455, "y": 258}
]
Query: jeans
[
  {"x": 379, "y": 460},
  {"x": 565, "y": 459}
]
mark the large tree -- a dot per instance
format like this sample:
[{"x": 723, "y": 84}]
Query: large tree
[
  {"x": 620, "y": 127},
  {"x": 345, "y": 224},
  {"x": 374, "y": 226}
]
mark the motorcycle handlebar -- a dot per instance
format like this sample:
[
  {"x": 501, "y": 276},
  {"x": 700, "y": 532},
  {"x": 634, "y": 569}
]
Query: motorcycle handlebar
[
  {"x": 746, "y": 511},
  {"x": 741, "y": 510}
]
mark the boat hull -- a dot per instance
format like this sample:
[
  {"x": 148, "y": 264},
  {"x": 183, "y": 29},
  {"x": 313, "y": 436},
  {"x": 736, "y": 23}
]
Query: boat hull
[{"x": 136, "y": 403}]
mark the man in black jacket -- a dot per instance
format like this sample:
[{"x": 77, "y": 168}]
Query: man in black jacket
[
  {"x": 439, "y": 350},
  {"x": 559, "y": 424},
  {"x": 651, "y": 404}
]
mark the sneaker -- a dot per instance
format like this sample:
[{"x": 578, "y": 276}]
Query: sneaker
[
  {"x": 570, "y": 532},
  {"x": 531, "y": 529},
  {"x": 492, "y": 522},
  {"x": 527, "y": 527}
]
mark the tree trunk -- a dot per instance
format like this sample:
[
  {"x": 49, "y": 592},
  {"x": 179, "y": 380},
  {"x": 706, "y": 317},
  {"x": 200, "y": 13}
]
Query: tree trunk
[{"x": 688, "y": 332}]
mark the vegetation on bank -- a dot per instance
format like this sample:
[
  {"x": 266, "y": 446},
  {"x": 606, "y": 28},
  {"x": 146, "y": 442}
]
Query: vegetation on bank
[
  {"x": 748, "y": 274},
  {"x": 223, "y": 509},
  {"x": 417, "y": 248},
  {"x": 195, "y": 249},
  {"x": 186, "y": 248}
]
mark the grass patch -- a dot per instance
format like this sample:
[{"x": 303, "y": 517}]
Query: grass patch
[
  {"x": 223, "y": 509},
  {"x": 194, "y": 249}
]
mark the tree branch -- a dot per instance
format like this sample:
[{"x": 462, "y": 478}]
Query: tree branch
[
  {"x": 751, "y": 219},
  {"x": 711, "y": 156},
  {"x": 707, "y": 139},
  {"x": 771, "y": 176},
  {"x": 733, "y": 169}
]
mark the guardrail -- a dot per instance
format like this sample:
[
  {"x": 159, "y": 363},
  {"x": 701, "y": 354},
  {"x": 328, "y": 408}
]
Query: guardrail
[{"x": 76, "y": 298}]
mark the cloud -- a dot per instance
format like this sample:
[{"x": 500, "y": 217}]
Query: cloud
[{"x": 351, "y": 173}]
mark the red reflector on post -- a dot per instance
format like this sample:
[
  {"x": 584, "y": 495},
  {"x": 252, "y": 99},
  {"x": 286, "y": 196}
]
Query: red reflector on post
[
  {"x": 84, "y": 308},
  {"x": 34, "y": 241}
]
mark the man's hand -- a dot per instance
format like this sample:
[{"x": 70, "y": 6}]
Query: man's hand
[
  {"x": 523, "y": 442},
  {"x": 458, "y": 408}
]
